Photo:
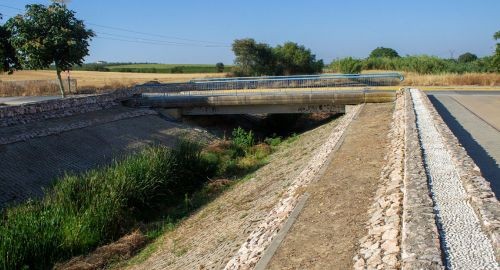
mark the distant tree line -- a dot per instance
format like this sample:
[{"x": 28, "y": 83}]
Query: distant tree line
[
  {"x": 256, "y": 59},
  {"x": 388, "y": 59}
]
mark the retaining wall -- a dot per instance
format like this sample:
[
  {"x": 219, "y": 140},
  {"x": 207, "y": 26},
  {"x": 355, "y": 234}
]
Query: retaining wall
[{"x": 25, "y": 113}]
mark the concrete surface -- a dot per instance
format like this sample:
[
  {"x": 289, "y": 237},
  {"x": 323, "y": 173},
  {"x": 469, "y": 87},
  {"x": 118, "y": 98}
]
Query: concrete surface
[
  {"x": 250, "y": 102},
  {"x": 11, "y": 101},
  {"x": 27, "y": 167},
  {"x": 474, "y": 118}
]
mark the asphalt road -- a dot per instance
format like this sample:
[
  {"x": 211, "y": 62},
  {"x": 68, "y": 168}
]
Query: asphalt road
[{"x": 474, "y": 117}]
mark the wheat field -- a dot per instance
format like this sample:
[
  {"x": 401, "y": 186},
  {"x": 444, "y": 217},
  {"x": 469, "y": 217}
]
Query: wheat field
[{"x": 94, "y": 81}]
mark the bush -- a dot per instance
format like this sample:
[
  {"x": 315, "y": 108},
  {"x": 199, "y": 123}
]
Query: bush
[
  {"x": 347, "y": 65},
  {"x": 219, "y": 67},
  {"x": 177, "y": 70},
  {"x": 242, "y": 138},
  {"x": 273, "y": 141}
]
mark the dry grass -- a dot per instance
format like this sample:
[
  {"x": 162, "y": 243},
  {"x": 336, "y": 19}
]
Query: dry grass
[
  {"x": 467, "y": 79},
  {"x": 88, "y": 81},
  {"x": 447, "y": 79}
]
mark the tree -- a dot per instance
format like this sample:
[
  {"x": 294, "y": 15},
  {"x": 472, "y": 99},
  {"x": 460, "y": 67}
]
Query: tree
[
  {"x": 8, "y": 59},
  {"x": 47, "y": 35},
  {"x": 252, "y": 58},
  {"x": 219, "y": 67},
  {"x": 384, "y": 52},
  {"x": 467, "y": 58},
  {"x": 496, "y": 57},
  {"x": 295, "y": 59}
]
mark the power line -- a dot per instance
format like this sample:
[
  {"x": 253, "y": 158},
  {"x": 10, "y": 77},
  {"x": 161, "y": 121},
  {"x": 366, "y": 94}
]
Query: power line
[
  {"x": 138, "y": 39},
  {"x": 155, "y": 35},
  {"x": 208, "y": 43},
  {"x": 5, "y": 6},
  {"x": 159, "y": 43}
]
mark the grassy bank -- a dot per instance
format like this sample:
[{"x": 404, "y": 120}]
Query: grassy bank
[{"x": 84, "y": 211}]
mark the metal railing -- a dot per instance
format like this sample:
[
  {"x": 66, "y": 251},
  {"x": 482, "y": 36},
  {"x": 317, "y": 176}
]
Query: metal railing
[
  {"x": 276, "y": 84},
  {"x": 301, "y": 81}
]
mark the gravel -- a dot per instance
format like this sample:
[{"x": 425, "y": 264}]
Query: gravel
[{"x": 464, "y": 244}]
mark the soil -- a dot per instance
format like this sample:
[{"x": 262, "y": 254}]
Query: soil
[{"x": 327, "y": 232}]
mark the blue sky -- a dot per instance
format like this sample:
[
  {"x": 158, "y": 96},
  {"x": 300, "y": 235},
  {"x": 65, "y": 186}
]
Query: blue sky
[{"x": 331, "y": 29}]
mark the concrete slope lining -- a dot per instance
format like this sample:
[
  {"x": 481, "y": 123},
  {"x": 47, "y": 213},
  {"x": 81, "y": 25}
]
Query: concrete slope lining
[
  {"x": 259, "y": 239},
  {"x": 465, "y": 245}
]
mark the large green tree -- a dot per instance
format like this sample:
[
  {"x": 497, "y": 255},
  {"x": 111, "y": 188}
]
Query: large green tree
[
  {"x": 384, "y": 52},
  {"x": 252, "y": 58},
  {"x": 49, "y": 35},
  {"x": 8, "y": 59},
  {"x": 293, "y": 58},
  {"x": 467, "y": 57},
  {"x": 257, "y": 59}
]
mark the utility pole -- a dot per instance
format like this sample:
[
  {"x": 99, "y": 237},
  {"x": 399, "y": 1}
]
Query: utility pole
[{"x": 452, "y": 52}]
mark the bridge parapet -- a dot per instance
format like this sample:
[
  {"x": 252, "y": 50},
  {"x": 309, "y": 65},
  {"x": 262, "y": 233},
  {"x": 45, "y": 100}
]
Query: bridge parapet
[{"x": 215, "y": 85}]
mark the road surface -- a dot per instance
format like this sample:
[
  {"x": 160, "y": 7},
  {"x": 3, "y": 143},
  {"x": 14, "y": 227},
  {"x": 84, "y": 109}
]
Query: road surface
[{"x": 474, "y": 117}]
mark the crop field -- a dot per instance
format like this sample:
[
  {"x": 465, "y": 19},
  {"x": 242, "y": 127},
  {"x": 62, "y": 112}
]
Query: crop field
[
  {"x": 95, "y": 81},
  {"x": 87, "y": 80},
  {"x": 166, "y": 68}
]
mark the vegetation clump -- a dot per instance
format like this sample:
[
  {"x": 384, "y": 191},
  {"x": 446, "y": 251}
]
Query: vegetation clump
[
  {"x": 258, "y": 59},
  {"x": 81, "y": 212}
]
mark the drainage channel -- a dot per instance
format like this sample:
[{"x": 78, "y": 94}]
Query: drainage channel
[{"x": 464, "y": 244}]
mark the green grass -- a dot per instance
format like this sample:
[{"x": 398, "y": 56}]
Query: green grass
[
  {"x": 166, "y": 68},
  {"x": 157, "y": 187}
]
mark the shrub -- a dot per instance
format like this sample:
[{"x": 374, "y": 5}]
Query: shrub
[
  {"x": 347, "y": 65},
  {"x": 177, "y": 70},
  {"x": 242, "y": 138},
  {"x": 219, "y": 67},
  {"x": 273, "y": 141}
]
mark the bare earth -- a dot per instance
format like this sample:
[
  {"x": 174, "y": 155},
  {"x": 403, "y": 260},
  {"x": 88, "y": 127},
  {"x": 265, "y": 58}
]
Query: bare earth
[{"x": 327, "y": 232}]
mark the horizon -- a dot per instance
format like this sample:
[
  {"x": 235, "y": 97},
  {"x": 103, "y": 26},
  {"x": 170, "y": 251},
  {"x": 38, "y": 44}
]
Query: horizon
[{"x": 177, "y": 33}]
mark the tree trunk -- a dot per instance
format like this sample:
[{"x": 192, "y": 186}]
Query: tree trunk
[{"x": 61, "y": 86}]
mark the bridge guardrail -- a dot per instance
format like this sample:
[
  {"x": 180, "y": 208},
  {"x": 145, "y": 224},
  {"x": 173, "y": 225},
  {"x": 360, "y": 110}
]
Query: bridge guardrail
[{"x": 277, "y": 84}]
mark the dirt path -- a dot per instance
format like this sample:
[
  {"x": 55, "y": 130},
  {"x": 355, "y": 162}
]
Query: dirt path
[{"x": 327, "y": 232}]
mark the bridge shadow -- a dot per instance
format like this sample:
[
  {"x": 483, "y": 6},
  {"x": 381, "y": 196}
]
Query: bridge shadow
[{"x": 487, "y": 164}]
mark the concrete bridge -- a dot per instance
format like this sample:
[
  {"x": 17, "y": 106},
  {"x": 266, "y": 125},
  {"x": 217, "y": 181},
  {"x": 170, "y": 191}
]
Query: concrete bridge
[{"x": 257, "y": 95}]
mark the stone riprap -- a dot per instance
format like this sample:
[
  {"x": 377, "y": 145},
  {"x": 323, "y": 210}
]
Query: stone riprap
[
  {"x": 448, "y": 213},
  {"x": 420, "y": 245},
  {"x": 259, "y": 239},
  {"x": 26, "y": 113},
  {"x": 464, "y": 242},
  {"x": 380, "y": 248}
]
